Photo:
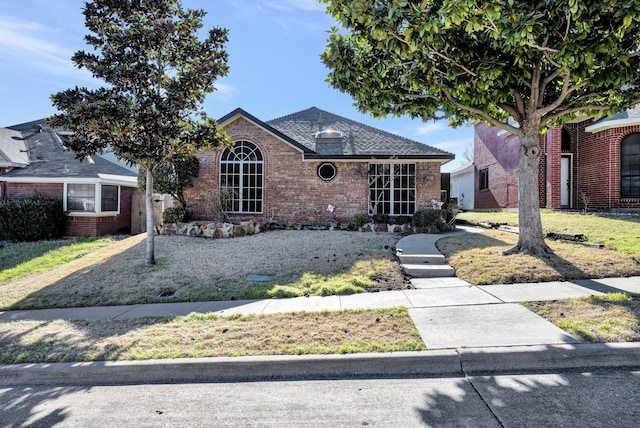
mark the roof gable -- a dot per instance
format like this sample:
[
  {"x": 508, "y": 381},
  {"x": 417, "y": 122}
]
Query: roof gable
[{"x": 235, "y": 114}]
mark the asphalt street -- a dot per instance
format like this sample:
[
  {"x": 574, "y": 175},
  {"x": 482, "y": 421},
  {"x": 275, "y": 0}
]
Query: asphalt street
[{"x": 572, "y": 399}]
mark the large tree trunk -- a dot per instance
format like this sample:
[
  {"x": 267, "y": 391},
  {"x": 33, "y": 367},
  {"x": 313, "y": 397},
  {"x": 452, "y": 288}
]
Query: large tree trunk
[
  {"x": 531, "y": 237},
  {"x": 150, "y": 259}
]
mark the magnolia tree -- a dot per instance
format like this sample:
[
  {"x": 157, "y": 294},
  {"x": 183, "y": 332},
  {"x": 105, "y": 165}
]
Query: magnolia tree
[
  {"x": 157, "y": 73},
  {"x": 521, "y": 66}
]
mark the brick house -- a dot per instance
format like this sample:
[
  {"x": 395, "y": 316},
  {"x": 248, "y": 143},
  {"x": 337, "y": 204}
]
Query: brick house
[
  {"x": 96, "y": 192},
  {"x": 584, "y": 164},
  {"x": 312, "y": 166}
]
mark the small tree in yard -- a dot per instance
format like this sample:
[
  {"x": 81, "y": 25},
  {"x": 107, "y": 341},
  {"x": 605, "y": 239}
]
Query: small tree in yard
[
  {"x": 158, "y": 73},
  {"x": 173, "y": 178},
  {"x": 521, "y": 66}
]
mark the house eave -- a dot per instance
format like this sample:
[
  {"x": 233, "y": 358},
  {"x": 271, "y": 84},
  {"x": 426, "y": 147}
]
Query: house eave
[
  {"x": 368, "y": 158},
  {"x": 102, "y": 179},
  {"x": 612, "y": 124},
  {"x": 13, "y": 165}
]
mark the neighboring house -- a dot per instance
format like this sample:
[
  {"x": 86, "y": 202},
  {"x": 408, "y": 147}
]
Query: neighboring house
[
  {"x": 585, "y": 164},
  {"x": 312, "y": 166},
  {"x": 463, "y": 186},
  {"x": 96, "y": 192}
]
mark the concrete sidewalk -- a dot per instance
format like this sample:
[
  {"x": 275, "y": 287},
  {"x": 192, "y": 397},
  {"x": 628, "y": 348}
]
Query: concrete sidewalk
[
  {"x": 478, "y": 326},
  {"x": 448, "y": 312}
]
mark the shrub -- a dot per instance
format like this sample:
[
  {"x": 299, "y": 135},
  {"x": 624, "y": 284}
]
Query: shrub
[
  {"x": 360, "y": 219},
  {"x": 403, "y": 219},
  {"x": 174, "y": 214},
  {"x": 34, "y": 218},
  {"x": 429, "y": 217},
  {"x": 381, "y": 218}
]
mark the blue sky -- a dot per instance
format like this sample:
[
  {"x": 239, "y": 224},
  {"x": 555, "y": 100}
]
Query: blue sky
[{"x": 274, "y": 58}]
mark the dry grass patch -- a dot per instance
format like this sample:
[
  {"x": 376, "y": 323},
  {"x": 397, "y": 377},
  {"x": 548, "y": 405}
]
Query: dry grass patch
[
  {"x": 609, "y": 318},
  {"x": 197, "y": 335},
  {"x": 476, "y": 260},
  {"x": 198, "y": 269}
]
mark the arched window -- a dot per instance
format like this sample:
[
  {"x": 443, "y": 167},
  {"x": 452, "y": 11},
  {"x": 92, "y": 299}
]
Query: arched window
[
  {"x": 241, "y": 178},
  {"x": 630, "y": 166}
]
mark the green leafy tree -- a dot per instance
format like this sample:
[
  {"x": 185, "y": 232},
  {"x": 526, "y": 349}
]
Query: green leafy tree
[
  {"x": 521, "y": 66},
  {"x": 157, "y": 73},
  {"x": 173, "y": 178}
]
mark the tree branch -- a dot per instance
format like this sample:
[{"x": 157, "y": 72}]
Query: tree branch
[
  {"x": 519, "y": 101},
  {"x": 550, "y": 78},
  {"x": 563, "y": 94},
  {"x": 482, "y": 115},
  {"x": 575, "y": 110},
  {"x": 511, "y": 110}
]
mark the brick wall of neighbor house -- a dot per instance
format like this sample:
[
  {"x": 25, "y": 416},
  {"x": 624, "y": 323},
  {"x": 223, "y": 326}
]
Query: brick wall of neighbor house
[
  {"x": 292, "y": 189},
  {"x": 24, "y": 190},
  {"x": 599, "y": 157},
  {"x": 80, "y": 225},
  {"x": 552, "y": 142},
  {"x": 499, "y": 155}
]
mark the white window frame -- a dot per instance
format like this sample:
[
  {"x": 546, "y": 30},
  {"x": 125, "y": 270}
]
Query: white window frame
[
  {"x": 97, "y": 211},
  {"x": 392, "y": 187},
  {"x": 243, "y": 163}
]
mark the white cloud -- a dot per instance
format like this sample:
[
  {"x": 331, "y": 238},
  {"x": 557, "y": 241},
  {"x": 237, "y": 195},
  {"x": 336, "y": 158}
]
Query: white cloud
[
  {"x": 455, "y": 145},
  {"x": 431, "y": 127},
  {"x": 307, "y": 5},
  {"x": 27, "y": 45},
  {"x": 223, "y": 91},
  {"x": 290, "y": 15}
]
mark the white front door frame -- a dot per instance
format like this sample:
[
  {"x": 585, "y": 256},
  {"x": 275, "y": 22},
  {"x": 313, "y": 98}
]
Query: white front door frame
[{"x": 566, "y": 181}]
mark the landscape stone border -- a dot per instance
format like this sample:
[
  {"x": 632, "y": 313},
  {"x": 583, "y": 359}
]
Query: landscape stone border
[{"x": 213, "y": 229}]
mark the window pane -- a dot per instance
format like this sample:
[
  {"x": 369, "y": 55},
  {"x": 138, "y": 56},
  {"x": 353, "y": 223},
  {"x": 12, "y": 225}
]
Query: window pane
[
  {"x": 392, "y": 189},
  {"x": 630, "y": 166},
  {"x": 109, "y": 200},
  {"x": 81, "y": 197},
  {"x": 241, "y": 173}
]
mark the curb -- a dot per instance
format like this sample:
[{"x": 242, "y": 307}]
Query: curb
[
  {"x": 442, "y": 363},
  {"x": 498, "y": 360},
  {"x": 235, "y": 369}
]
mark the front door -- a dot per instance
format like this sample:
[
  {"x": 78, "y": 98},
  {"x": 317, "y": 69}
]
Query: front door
[{"x": 565, "y": 182}]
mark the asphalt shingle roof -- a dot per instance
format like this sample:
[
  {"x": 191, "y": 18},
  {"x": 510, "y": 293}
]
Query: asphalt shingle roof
[
  {"x": 12, "y": 148},
  {"x": 49, "y": 159},
  {"x": 358, "y": 139}
]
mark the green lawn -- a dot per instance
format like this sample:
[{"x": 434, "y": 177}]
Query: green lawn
[
  {"x": 18, "y": 260},
  {"x": 621, "y": 233}
]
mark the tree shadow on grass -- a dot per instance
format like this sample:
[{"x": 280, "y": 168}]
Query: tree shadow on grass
[
  {"x": 187, "y": 271},
  {"x": 476, "y": 259},
  {"x": 11, "y": 257}
]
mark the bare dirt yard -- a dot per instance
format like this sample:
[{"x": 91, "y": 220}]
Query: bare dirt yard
[{"x": 196, "y": 269}]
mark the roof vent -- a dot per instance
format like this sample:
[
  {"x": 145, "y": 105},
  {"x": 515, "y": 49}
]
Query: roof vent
[{"x": 329, "y": 134}]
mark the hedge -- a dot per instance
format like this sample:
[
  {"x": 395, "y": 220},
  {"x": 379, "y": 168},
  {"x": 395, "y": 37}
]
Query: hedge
[{"x": 33, "y": 218}]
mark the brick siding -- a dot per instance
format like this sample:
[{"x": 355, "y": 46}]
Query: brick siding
[
  {"x": 599, "y": 154},
  {"x": 293, "y": 191},
  {"x": 80, "y": 225},
  {"x": 595, "y": 173},
  {"x": 499, "y": 155}
]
